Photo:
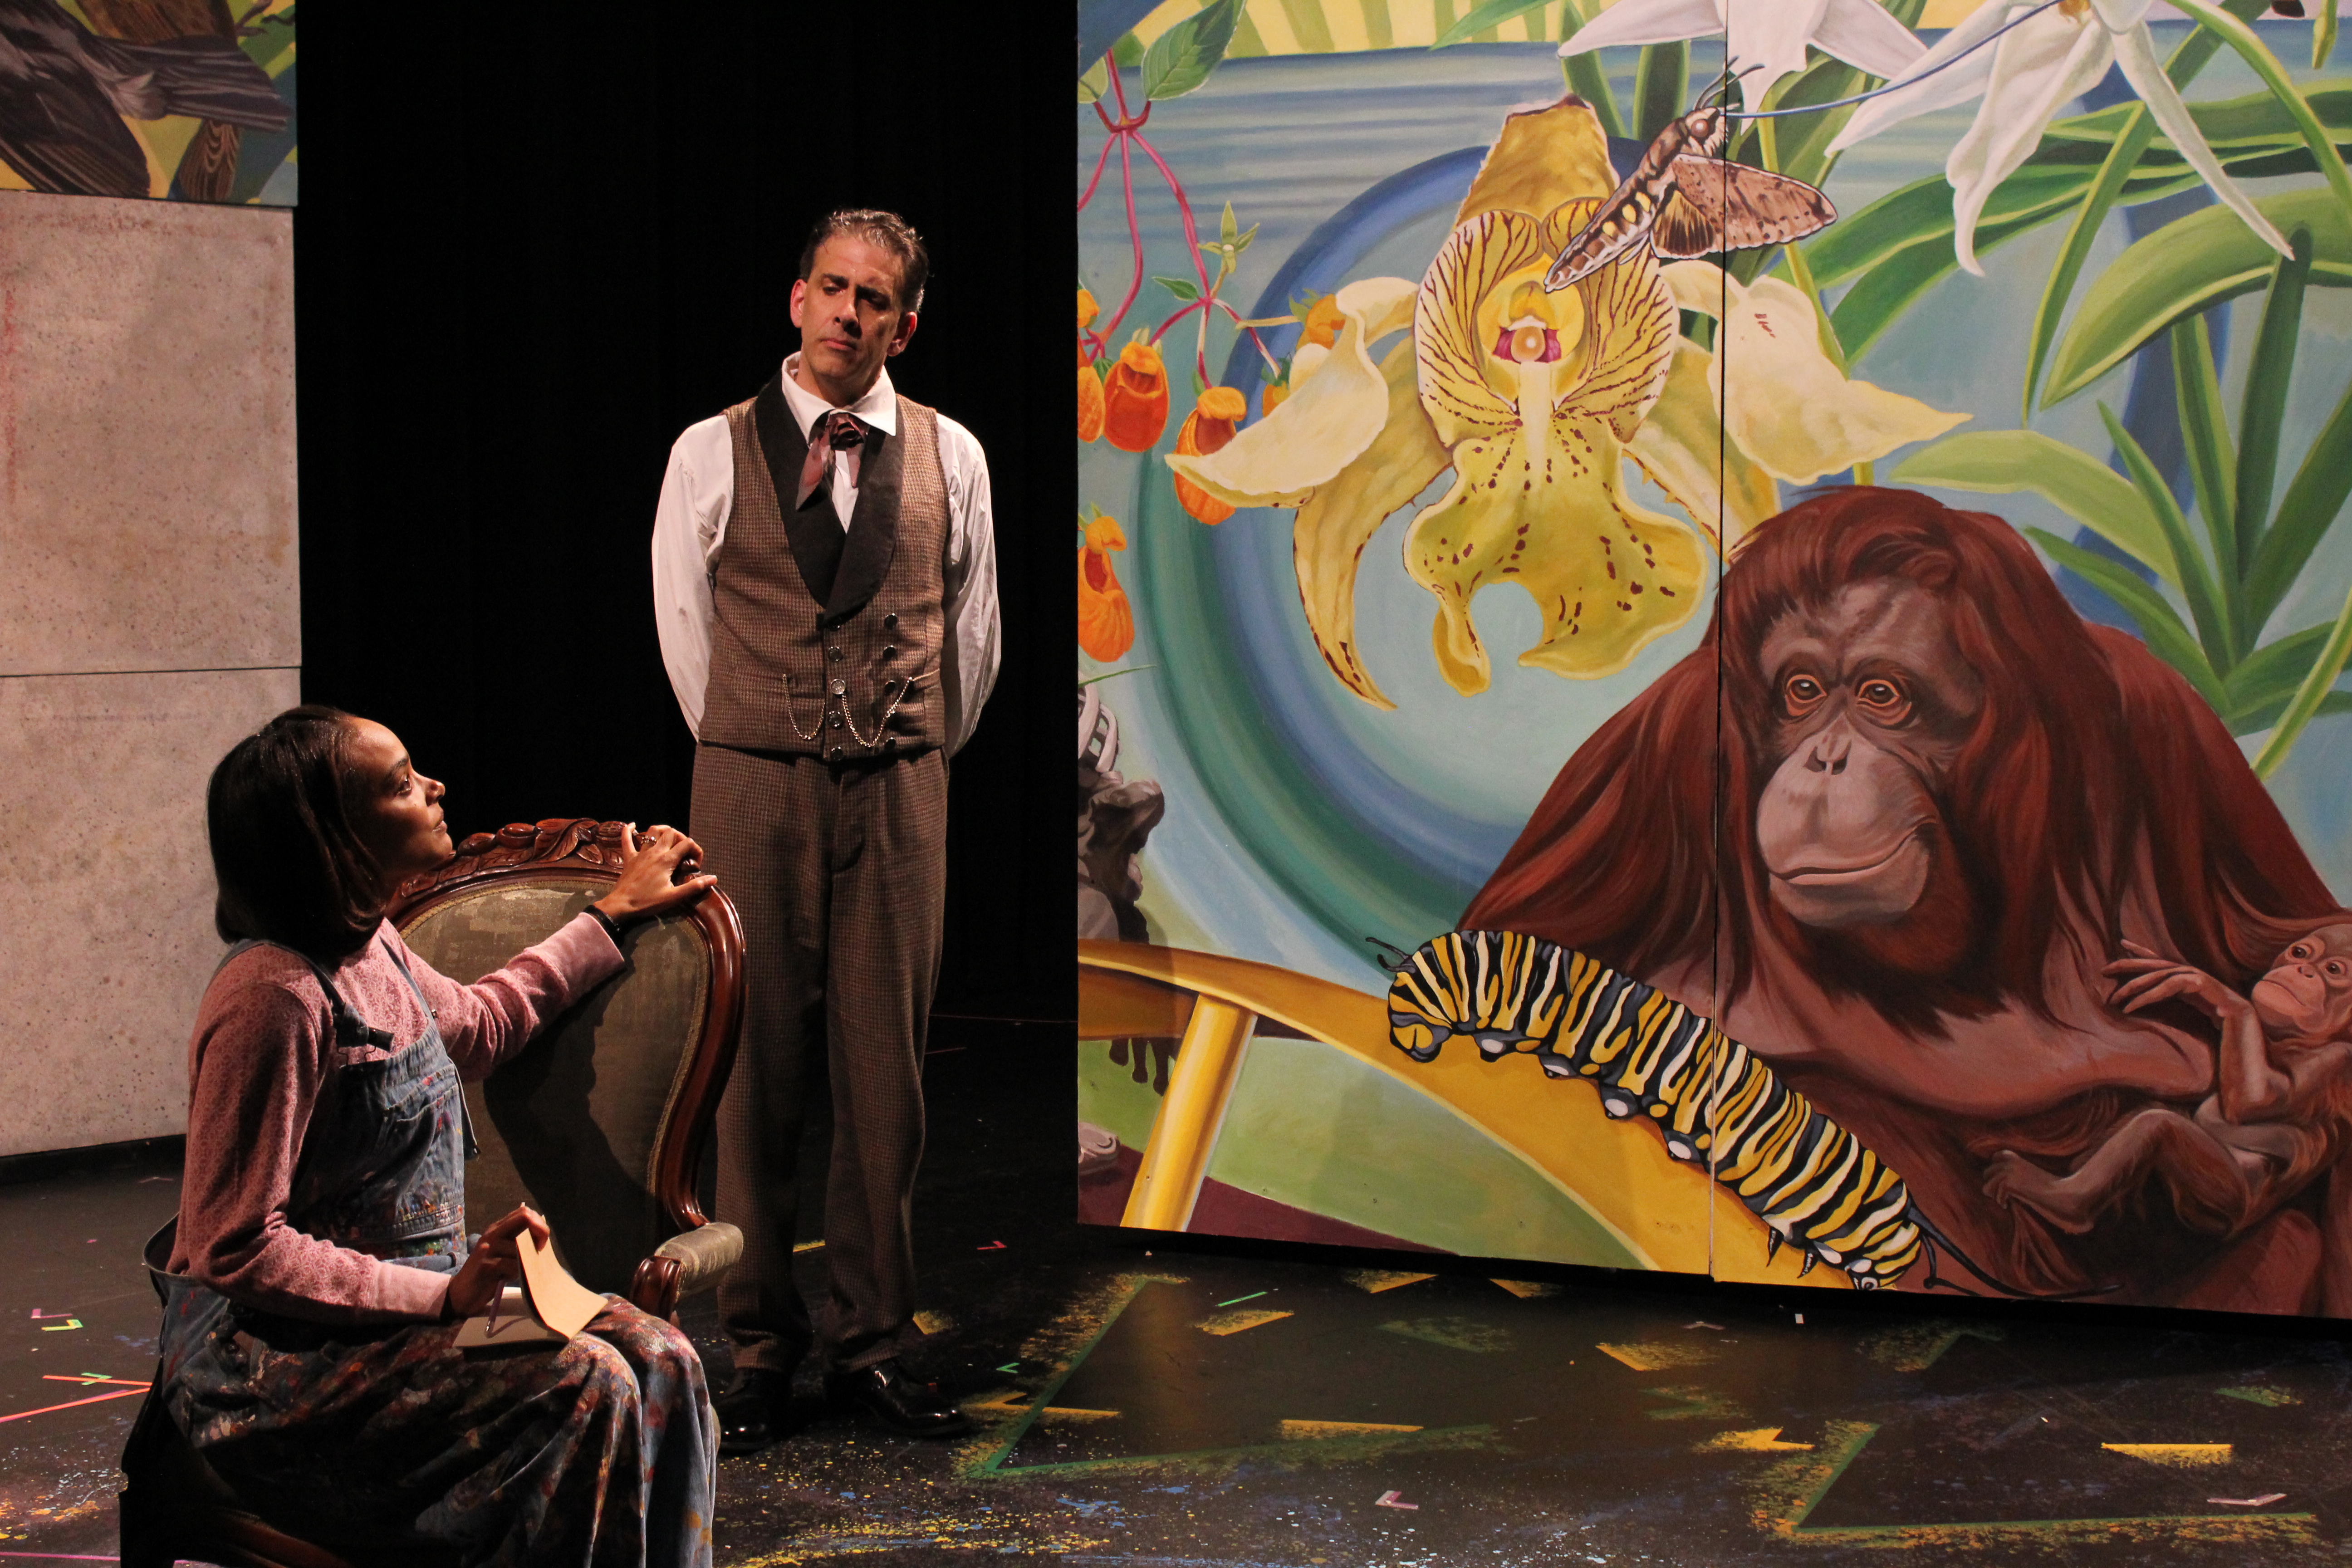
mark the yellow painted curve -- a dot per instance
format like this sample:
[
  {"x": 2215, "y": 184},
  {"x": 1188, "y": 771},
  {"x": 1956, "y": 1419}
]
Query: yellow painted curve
[{"x": 1617, "y": 1171}]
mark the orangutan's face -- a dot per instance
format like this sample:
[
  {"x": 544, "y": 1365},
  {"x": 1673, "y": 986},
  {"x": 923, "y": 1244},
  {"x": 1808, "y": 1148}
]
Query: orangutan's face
[
  {"x": 1871, "y": 702},
  {"x": 2307, "y": 995}
]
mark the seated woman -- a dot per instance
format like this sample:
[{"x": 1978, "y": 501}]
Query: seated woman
[{"x": 323, "y": 1268}]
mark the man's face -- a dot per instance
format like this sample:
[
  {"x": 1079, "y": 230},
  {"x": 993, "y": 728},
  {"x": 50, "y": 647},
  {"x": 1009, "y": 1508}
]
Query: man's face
[{"x": 847, "y": 311}]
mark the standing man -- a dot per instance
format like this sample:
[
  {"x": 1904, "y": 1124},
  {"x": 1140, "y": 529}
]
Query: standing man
[{"x": 824, "y": 574}]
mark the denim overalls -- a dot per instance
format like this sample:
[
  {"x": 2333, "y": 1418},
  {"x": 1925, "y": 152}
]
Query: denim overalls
[
  {"x": 601, "y": 1448},
  {"x": 382, "y": 1171}
]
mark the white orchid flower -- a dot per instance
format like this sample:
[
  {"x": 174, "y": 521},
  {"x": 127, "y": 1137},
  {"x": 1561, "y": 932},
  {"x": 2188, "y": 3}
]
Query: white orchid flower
[
  {"x": 2027, "y": 76},
  {"x": 1768, "y": 33}
]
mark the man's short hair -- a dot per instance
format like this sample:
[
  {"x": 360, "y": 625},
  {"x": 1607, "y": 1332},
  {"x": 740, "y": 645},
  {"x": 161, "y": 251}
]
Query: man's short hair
[{"x": 885, "y": 231}]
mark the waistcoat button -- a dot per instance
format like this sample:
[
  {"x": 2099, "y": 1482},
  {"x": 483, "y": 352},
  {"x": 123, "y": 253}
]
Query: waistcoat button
[
  {"x": 890, "y": 742},
  {"x": 834, "y": 654},
  {"x": 889, "y": 650},
  {"x": 832, "y": 719},
  {"x": 840, "y": 688},
  {"x": 890, "y": 620},
  {"x": 834, "y": 755}
]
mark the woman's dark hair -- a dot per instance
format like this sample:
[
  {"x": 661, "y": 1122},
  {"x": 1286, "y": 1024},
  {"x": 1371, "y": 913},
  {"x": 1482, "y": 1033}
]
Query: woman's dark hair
[{"x": 289, "y": 863}]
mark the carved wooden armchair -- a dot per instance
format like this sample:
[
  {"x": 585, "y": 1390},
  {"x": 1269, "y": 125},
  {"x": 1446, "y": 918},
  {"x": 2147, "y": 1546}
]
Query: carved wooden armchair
[{"x": 600, "y": 1124}]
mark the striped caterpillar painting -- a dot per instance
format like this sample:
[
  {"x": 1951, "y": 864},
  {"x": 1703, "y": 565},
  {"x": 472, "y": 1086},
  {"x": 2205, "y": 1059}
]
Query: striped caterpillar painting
[{"x": 1812, "y": 1183}]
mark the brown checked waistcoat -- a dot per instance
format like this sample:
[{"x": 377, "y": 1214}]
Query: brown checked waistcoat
[{"x": 826, "y": 642}]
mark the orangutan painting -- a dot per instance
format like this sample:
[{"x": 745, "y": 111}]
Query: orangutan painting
[
  {"x": 1756, "y": 751},
  {"x": 1937, "y": 833}
]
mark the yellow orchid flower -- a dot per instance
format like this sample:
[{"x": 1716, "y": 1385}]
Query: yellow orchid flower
[
  {"x": 1534, "y": 400},
  {"x": 1790, "y": 410}
]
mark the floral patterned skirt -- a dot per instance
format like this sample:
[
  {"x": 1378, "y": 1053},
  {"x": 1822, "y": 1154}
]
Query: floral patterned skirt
[{"x": 601, "y": 1451}]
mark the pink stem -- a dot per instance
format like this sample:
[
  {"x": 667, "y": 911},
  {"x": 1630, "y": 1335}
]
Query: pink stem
[
  {"x": 1262, "y": 350},
  {"x": 1100, "y": 165},
  {"x": 1126, "y": 179},
  {"x": 1118, "y": 87},
  {"x": 1191, "y": 235},
  {"x": 1182, "y": 311}
]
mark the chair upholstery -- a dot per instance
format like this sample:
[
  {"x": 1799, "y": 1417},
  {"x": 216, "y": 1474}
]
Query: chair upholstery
[{"x": 599, "y": 1124}]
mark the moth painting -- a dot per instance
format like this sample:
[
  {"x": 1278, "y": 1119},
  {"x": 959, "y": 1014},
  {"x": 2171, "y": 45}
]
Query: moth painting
[{"x": 1688, "y": 200}]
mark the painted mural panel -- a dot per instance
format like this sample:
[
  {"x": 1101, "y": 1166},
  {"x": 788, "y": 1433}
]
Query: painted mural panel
[
  {"x": 1902, "y": 443},
  {"x": 177, "y": 99}
]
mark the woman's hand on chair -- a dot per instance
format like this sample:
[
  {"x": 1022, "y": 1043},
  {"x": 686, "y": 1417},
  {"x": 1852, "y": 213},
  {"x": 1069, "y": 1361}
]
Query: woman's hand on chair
[
  {"x": 495, "y": 1259},
  {"x": 648, "y": 867}
]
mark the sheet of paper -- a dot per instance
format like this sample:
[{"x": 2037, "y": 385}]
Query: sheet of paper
[
  {"x": 562, "y": 1303},
  {"x": 514, "y": 1326}
]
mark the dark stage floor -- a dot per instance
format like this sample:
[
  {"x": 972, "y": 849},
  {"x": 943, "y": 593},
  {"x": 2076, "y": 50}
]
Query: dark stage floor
[{"x": 1196, "y": 1407}]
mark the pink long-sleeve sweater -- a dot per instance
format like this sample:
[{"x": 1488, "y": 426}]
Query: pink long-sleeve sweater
[{"x": 264, "y": 1039}]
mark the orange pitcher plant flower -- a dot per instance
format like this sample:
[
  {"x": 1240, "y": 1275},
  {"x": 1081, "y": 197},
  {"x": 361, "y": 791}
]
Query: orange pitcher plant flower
[
  {"x": 1135, "y": 397},
  {"x": 1090, "y": 386},
  {"x": 1105, "y": 620},
  {"x": 1207, "y": 430}
]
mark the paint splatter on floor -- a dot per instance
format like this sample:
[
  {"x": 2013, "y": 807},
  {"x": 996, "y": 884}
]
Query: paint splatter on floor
[{"x": 1111, "y": 1431}]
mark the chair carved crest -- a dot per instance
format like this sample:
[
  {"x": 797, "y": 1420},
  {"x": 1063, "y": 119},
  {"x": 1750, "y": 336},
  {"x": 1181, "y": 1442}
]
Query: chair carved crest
[{"x": 550, "y": 842}]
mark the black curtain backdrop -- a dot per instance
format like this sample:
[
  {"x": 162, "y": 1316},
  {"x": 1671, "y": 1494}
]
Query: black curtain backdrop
[{"x": 537, "y": 242}]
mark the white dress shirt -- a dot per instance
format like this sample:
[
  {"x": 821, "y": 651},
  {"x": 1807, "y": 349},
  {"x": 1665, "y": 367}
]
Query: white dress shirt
[{"x": 697, "y": 495}]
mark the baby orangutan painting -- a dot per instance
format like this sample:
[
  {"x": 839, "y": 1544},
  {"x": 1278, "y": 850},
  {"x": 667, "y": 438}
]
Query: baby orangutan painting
[{"x": 1737, "y": 622}]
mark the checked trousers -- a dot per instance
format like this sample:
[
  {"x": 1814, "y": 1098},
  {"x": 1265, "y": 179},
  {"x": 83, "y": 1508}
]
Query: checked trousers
[{"x": 839, "y": 872}]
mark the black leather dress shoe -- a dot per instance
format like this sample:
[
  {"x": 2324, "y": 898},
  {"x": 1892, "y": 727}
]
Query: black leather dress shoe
[
  {"x": 885, "y": 1391},
  {"x": 754, "y": 1411}
]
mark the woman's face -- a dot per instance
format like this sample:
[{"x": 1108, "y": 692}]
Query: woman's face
[{"x": 396, "y": 810}]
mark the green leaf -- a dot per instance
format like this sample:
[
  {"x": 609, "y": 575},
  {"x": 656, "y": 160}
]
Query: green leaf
[
  {"x": 1660, "y": 83},
  {"x": 2159, "y": 626},
  {"x": 1182, "y": 287},
  {"x": 2311, "y": 696},
  {"x": 1095, "y": 83},
  {"x": 1180, "y": 58},
  {"x": 2270, "y": 674},
  {"x": 2092, "y": 494},
  {"x": 1889, "y": 289},
  {"x": 2255, "y": 719},
  {"x": 1128, "y": 53},
  {"x": 1493, "y": 14},
  {"x": 2255, "y": 53},
  {"x": 1923, "y": 210},
  {"x": 2322, "y": 37},
  {"x": 2123, "y": 157},
  {"x": 2306, "y": 513},
  {"x": 2215, "y": 628},
  {"x": 1584, "y": 75},
  {"x": 1110, "y": 674},
  {"x": 2186, "y": 267},
  {"x": 1225, "y": 226},
  {"x": 2205, "y": 432},
  {"x": 2265, "y": 410}
]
